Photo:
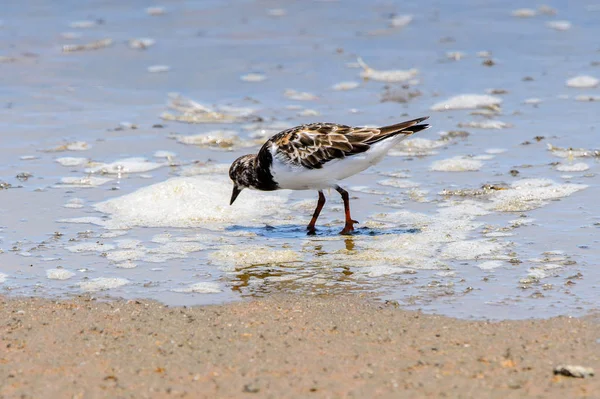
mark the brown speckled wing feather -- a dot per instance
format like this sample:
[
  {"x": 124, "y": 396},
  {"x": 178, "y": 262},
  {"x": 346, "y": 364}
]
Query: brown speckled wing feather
[{"x": 313, "y": 145}]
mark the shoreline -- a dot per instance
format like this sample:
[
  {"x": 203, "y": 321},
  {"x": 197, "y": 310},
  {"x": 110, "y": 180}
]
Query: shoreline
[{"x": 284, "y": 346}]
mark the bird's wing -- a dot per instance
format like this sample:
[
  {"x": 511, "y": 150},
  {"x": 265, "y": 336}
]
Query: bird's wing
[{"x": 313, "y": 145}]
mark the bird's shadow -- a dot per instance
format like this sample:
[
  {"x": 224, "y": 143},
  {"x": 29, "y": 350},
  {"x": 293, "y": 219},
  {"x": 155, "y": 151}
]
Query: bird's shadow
[{"x": 298, "y": 231}]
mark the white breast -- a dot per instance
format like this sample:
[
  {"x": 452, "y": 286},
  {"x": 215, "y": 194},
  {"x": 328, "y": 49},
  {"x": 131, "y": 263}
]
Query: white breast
[{"x": 300, "y": 178}]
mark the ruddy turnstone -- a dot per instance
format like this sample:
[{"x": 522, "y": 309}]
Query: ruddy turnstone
[{"x": 317, "y": 156}]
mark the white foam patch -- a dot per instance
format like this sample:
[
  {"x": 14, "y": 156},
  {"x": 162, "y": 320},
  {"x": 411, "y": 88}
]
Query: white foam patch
[
  {"x": 126, "y": 255},
  {"x": 3, "y": 277},
  {"x": 456, "y": 164},
  {"x": 576, "y": 167},
  {"x": 164, "y": 154},
  {"x": 89, "y": 181},
  {"x": 243, "y": 256},
  {"x": 75, "y": 203},
  {"x": 396, "y": 75},
  {"x": 84, "y": 220},
  {"x": 487, "y": 124},
  {"x": 398, "y": 183},
  {"x": 128, "y": 243},
  {"x": 141, "y": 43},
  {"x": 583, "y": 82},
  {"x": 367, "y": 190},
  {"x": 158, "y": 68},
  {"x": 533, "y": 101},
  {"x": 309, "y": 112},
  {"x": 473, "y": 249},
  {"x": 490, "y": 264},
  {"x": 194, "y": 202},
  {"x": 400, "y": 21},
  {"x": 421, "y": 144},
  {"x": 559, "y": 25},
  {"x": 495, "y": 151},
  {"x": 127, "y": 165},
  {"x": 59, "y": 274},
  {"x": 343, "y": 86},
  {"x": 102, "y": 283},
  {"x": 484, "y": 157},
  {"x": 467, "y": 101},
  {"x": 127, "y": 265},
  {"x": 155, "y": 11},
  {"x": 71, "y": 161},
  {"x": 202, "y": 169},
  {"x": 216, "y": 139},
  {"x": 528, "y": 194},
  {"x": 587, "y": 98},
  {"x": 113, "y": 234},
  {"x": 201, "y": 288},
  {"x": 299, "y": 95},
  {"x": 572, "y": 152},
  {"x": 378, "y": 271},
  {"x": 90, "y": 247},
  {"x": 524, "y": 13},
  {"x": 253, "y": 77}
]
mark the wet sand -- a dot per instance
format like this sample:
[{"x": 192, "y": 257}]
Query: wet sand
[{"x": 283, "y": 346}]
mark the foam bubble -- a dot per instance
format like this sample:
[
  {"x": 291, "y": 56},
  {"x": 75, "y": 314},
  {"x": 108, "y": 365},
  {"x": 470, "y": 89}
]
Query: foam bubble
[
  {"x": 3, "y": 277},
  {"x": 467, "y": 101},
  {"x": 102, "y": 283},
  {"x": 59, "y": 274},
  {"x": 201, "y": 288},
  {"x": 456, "y": 164},
  {"x": 193, "y": 202}
]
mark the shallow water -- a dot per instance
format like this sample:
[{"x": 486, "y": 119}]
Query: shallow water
[{"x": 527, "y": 245}]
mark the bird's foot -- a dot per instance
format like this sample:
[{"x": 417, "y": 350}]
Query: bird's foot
[
  {"x": 311, "y": 231},
  {"x": 349, "y": 227}
]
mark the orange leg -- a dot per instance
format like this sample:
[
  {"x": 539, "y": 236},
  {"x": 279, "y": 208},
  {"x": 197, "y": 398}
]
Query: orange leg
[
  {"x": 320, "y": 203},
  {"x": 349, "y": 226}
]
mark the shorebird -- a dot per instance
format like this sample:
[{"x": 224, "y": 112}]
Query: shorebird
[{"x": 318, "y": 156}]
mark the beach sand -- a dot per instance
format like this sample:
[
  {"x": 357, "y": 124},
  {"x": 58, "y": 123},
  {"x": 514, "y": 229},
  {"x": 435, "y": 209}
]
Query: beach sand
[{"x": 284, "y": 346}]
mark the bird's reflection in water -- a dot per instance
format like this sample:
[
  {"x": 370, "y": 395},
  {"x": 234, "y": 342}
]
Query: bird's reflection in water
[{"x": 259, "y": 280}]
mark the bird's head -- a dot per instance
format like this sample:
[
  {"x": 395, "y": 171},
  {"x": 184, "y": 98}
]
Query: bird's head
[{"x": 241, "y": 173}]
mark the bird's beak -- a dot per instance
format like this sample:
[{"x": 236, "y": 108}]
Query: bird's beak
[{"x": 234, "y": 194}]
